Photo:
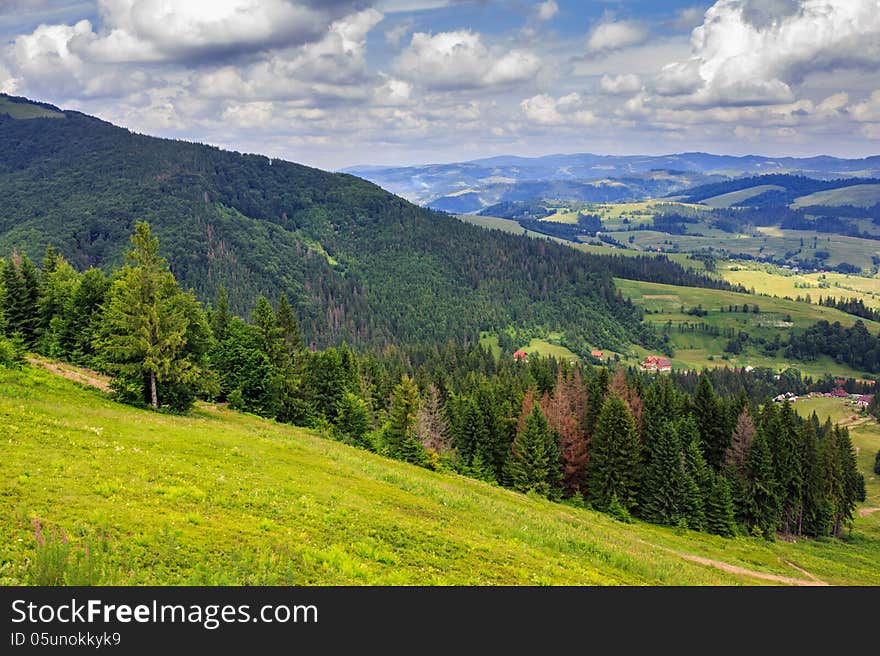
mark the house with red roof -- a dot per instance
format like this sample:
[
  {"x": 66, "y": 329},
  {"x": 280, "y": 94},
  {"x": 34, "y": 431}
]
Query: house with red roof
[
  {"x": 521, "y": 356},
  {"x": 657, "y": 363},
  {"x": 596, "y": 354}
]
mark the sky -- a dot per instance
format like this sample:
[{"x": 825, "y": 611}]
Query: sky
[{"x": 337, "y": 83}]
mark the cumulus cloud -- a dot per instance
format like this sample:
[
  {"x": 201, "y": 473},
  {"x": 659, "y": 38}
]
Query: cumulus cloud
[
  {"x": 162, "y": 30},
  {"x": 460, "y": 60},
  {"x": 546, "y": 10},
  {"x": 567, "y": 110},
  {"x": 750, "y": 52},
  {"x": 867, "y": 110},
  {"x": 394, "y": 35},
  {"x": 612, "y": 35},
  {"x": 624, "y": 84}
]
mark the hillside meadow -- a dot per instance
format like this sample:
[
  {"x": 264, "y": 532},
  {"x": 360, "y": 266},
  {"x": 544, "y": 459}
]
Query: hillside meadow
[
  {"x": 776, "y": 316},
  {"x": 218, "y": 497}
]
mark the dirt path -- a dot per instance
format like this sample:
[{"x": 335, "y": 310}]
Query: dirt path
[
  {"x": 736, "y": 569},
  {"x": 71, "y": 372}
]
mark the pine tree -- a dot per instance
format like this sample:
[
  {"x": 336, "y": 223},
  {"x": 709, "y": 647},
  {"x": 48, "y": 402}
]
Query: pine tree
[
  {"x": 153, "y": 335},
  {"x": 531, "y": 462},
  {"x": 740, "y": 442},
  {"x": 400, "y": 435},
  {"x": 788, "y": 469},
  {"x": 431, "y": 425},
  {"x": 664, "y": 487},
  {"x": 353, "y": 419},
  {"x": 597, "y": 389},
  {"x": 763, "y": 499},
  {"x": 719, "y": 509},
  {"x": 221, "y": 315},
  {"x": 21, "y": 292},
  {"x": 814, "y": 519},
  {"x": 710, "y": 419},
  {"x": 615, "y": 457},
  {"x": 288, "y": 327}
]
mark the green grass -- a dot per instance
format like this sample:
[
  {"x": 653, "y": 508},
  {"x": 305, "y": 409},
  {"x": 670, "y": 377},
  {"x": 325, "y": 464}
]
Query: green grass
[
  {"x": 663, "y": 304},
  {"x": 23, "y": 111},
  {"x": 220, "y": 497},
  {"x": 865, "y": 195},
  {"x": 547, "y": 348},
  {"x": 734, "y": 197},
  {"x": 774, "y": 281}
]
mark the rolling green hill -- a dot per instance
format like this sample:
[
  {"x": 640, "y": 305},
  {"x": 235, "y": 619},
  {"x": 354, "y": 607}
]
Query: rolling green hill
[
  {"x": 776, "y": 316},
  {"x": 866, "y": 195},
  {"x": 225, "y": 498},
  {"x": 740, "y": 197},
  {"x": 359, "y": 265}
]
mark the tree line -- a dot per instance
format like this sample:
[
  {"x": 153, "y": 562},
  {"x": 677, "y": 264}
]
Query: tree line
[{"x": 667, "y": 449}]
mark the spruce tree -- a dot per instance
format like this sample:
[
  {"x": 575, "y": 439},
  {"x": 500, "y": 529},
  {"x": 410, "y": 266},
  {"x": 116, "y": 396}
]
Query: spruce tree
[
  {"x": 709, "y": 415},
  {"x": 21, "y": 292},
  {"x": 353, "y": 419},
  {"x": 762, "y": 490},
  {"x": 153, "y": 335},
  {"x": 719, "y": 509},
  {"x": 664, "y": 488},
  {"x": 400, "y": 434},
  {"x": 615, "y": 457},
  {"x": 221, "y": 315},
  {"x": 288, "y": 326},
  {"x": 740, "y": 442},
  {"x": 531, "y": 461}
]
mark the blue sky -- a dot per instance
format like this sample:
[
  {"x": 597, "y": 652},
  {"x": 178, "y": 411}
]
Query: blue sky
[{"x": 334, "y": 83}]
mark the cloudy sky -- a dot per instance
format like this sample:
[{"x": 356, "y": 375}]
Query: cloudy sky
[{"x": 334, "y": 83}]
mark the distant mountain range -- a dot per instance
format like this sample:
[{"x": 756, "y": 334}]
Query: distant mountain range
[{"x": 472, "y": 186}]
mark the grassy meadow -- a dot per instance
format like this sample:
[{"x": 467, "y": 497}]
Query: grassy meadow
[
  {"x": 663, "y": 304},
  {"x": 219, "y": 497}
]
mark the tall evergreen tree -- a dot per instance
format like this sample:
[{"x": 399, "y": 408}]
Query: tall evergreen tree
[
  {"x": 221, "y": 316},
  {"x": 615, "y": 457},
  {"x": 153, "y": 334},
  {"x": 664, "y": 484},
  {"x": 21, "y": 293},
  {"x": 531, "y": 461},
  {"x": 709, "y": 414},
  {"x": 720, "y": 518},
  {"x": 289, "y": 326},
  {"x": 763, "y": 498},
  {"x": 740, "y": 442},
  {"x": 400, "y": 435}
]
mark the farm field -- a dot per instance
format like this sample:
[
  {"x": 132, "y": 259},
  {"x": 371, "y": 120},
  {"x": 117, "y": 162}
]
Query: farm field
[
  {"x": 767, "y": 240},
  {"x": 219, "y": 497},
  {"x": 663, "y": 304},
  {"x": 775, "y": 281}
]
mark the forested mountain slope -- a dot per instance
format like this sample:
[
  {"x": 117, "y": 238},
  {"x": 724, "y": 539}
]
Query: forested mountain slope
[{"x": 359, "y": 264}]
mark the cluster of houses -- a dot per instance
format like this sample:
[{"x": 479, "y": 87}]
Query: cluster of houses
[
  {"x": 657, "y": 363},
  {"x": 861, "y": 400}
]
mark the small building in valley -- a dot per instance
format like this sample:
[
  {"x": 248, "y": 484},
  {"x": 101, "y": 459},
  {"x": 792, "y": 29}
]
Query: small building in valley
[
  {"x": 596, "y": 354},
  {"x": 521, "y": 356},
  {"x": 657, "y": 363}
]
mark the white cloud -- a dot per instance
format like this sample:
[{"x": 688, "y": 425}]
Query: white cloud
[
  {"x": 868, "y": 110},
  {"x": 567, "y": 110},
  {"x": 547, "y": 10},
  {"x": 624, "y": 84},
  {"x": 394, "y": 35},
  {"x": 610, "y": 35},
  {"x": 752, "y": 52},
  {"x": 161, "y": 30},
  {"x": 460, "y": 60},
  {"x": 688, "y": 18}
]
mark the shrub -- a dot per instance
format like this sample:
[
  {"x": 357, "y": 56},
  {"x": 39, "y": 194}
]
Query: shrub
[{"x": 57, "y": 562}]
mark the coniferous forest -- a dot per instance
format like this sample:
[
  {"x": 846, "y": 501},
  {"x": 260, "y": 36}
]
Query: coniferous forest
[{"x": 708, "y": 451}]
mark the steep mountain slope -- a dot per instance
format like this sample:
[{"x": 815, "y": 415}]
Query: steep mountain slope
[
  {"x": 359, "y": 264},
  {"x": 226, "y": 498}
]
